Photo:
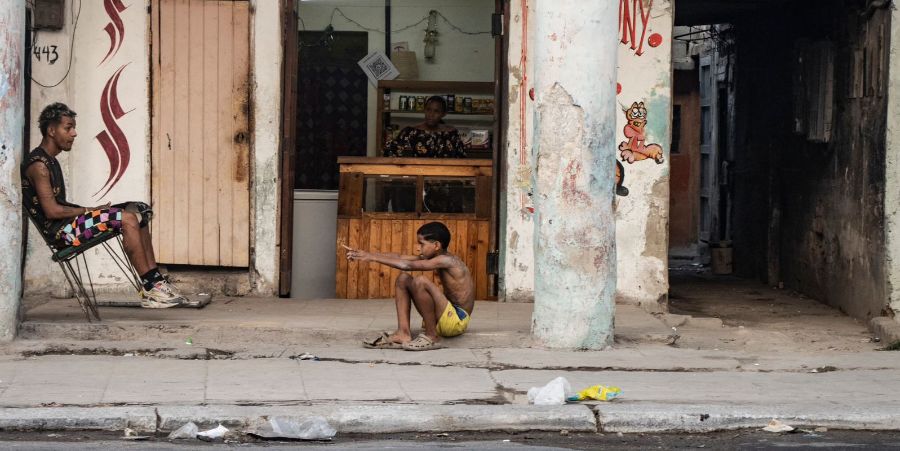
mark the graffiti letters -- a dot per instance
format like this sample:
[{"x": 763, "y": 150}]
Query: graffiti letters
[{"x": 634, "y": 17}]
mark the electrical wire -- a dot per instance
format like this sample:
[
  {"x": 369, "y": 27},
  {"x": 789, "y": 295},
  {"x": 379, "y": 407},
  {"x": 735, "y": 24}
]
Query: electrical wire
[
  {"x": 397, "y": 30},
  {"x": 71, "y": 50}
]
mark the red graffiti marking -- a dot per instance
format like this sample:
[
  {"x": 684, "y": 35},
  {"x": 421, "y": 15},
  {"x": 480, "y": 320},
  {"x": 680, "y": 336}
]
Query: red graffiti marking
[
  {"x": 115, "y": 28},
  {"x": 628, "y": 23},
  {"x": 618, "y": 88},
  {"x": 531, "y": 93},
  {"x": 570, "y": 189},
  {"x": 655, "y": 40},
  {"x": 112, "y": 139}
]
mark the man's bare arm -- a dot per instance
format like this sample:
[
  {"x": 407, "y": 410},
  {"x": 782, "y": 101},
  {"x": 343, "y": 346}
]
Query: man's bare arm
[
  {"x": 439, "y": 262},
  {"x": 40, "y": 178},
  {"x": 385, "y": 254}
]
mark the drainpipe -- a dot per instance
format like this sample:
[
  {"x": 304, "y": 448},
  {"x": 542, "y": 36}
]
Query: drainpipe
[
  {"x": 12, "y": 122},
  {"x": 575, "y": 55}
]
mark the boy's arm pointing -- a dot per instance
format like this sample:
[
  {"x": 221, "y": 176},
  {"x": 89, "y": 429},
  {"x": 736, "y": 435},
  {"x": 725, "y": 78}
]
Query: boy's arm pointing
[{"x": 401, "y": 263}]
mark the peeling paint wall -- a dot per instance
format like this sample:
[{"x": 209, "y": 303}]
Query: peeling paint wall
[
  {"x": 12, "y": 102},
  {"x": 108, "y": 41},
  {"x": 266, "y": 53},
  {"x": 517, "y": 248},
  {"x": 644, "y": 75},
  {"x": 642, "y": 217}
]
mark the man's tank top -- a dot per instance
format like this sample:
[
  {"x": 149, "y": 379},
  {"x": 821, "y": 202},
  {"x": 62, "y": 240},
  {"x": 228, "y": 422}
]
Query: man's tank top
[{"x": 48, "y": 227}]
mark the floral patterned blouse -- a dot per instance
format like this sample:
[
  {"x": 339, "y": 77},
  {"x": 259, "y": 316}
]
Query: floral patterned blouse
[{"x": 415, "y": 142}]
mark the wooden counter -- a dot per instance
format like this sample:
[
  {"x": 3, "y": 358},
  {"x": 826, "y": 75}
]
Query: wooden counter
[{"x": 368, "y": 218}]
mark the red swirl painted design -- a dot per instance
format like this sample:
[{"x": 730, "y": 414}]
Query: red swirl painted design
[
  {"x": 112, "y": 139},
  {"x": 115, "y": 28}
]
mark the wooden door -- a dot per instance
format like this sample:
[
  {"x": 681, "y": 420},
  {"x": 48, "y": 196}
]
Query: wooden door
[
  {"x": 201, "y": 131},
  {"x": 709, "y": 193}
]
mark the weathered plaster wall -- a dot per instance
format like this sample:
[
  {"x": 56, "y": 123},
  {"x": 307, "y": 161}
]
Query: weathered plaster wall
[
  {"x": 892, "y": 169},
  {"x": 645, "y": 76},
  {"x": 458, "y": 56},
  {"x": 113, "y": 42},
  {"x": 813, "y": 213},
  {"x": 12, "y": 102},
  {"x": 266, "y": 53},
  {"x": 642, "y": 216},
  {"x": 96, "y": 50},
  {"x": 517, "y": 238}
]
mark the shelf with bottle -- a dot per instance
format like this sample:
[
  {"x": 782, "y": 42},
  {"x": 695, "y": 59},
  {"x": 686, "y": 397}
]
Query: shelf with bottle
[
  {"x": 456, "y": 105},
  {"x": 470, "y": 105},
  {"x": 416, "y": 115}
]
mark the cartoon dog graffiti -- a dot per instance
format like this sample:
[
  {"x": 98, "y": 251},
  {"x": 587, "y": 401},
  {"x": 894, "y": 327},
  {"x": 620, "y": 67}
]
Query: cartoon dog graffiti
[{"x": 634, "y": 148}]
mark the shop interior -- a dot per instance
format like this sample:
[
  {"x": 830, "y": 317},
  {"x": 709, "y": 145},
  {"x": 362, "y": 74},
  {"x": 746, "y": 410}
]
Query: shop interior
[{"x": 346, "y": 191}]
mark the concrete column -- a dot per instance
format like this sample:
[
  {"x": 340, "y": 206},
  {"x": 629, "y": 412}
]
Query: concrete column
[
  {"x": 12, "y": 126},
  {"x": 892, "y": 171},
  {"x": 574, "y": 58}
]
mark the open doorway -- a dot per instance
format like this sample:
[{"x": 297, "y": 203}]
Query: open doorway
[
  {"x": 438, "y": 49},
  {"x": 701, "y": 147},
  {"x": 788, "y": 145}
]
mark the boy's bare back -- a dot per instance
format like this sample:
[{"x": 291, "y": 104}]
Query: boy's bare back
[{"x": 459, "y": 288}]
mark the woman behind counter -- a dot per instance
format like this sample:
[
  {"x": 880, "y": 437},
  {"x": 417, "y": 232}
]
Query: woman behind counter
[{"x": 432, "y": 138}]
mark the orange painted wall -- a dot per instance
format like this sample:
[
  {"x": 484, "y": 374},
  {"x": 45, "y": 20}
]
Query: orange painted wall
[{"x": 684, "y": 187}]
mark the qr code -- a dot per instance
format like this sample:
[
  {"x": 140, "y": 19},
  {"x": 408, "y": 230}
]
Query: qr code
[{"x": 378, "y": 68}]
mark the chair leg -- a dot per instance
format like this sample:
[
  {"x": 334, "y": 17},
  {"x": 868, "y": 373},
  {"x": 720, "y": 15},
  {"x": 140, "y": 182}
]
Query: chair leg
[
  {"x": 92, "y": 305},
  {"x": 121, "y": 260},
  {"x": 88, "y": 305}
]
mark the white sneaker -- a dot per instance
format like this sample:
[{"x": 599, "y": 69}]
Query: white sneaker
[{"x": 162, "y": 295}]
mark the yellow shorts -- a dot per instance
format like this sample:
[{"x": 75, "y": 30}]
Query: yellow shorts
[{"x": 450, "y": 324}]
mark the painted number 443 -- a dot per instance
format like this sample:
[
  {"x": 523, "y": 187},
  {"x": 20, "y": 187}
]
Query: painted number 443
[{"x": 49, "y": 52}]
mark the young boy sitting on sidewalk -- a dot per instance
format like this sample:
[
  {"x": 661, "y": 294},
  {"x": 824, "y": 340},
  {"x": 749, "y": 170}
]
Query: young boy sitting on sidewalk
[{"x": 444, "y": 313}]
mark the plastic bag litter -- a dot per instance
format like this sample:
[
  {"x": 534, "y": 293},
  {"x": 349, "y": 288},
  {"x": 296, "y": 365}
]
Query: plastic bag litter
[
  {"x": 213, "y": 434},
  {"x": 777, "y": 426},
  {"x": 130, "y": 434},
  {"x": 189, "y": 430},
  {"x": 596, "y": 392},
  {"x": 554, "y": 393},
  {"x": 315, "y": 428}
]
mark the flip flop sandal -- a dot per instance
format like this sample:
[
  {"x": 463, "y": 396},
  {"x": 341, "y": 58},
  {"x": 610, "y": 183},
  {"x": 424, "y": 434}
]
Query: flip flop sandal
[
  {"x": 382, "y": 341},
  {"x": 422, "y": 343}
]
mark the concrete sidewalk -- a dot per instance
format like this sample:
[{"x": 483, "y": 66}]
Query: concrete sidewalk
[{"x": 240, "y": 360}]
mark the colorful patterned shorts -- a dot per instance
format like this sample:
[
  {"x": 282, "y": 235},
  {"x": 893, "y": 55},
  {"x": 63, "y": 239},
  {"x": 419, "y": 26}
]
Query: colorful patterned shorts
[{"x": 89, "y": 225}]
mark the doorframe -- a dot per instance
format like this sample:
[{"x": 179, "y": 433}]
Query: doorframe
[
  {"x": 501, "y": 117},
  {"x": 290, "y": 36}
]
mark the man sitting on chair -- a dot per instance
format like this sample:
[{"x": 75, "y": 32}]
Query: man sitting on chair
[{"x": 67, "y": 224}]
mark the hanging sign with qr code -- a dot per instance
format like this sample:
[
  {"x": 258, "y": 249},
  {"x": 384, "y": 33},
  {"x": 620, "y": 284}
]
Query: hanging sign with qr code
[{"x": 378, "y": 66}]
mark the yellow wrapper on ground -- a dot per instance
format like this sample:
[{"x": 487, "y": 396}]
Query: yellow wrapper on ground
[{"x": 597, "y": 392}]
